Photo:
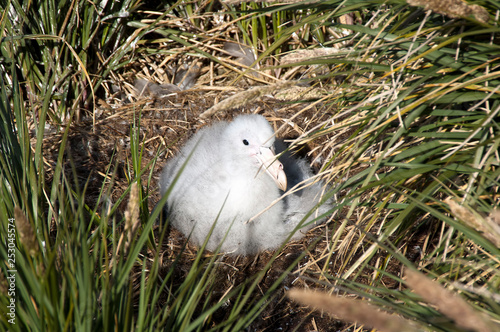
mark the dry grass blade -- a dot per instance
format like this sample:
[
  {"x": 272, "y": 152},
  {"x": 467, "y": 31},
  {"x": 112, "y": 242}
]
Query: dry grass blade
[
  {"x": 245, "y": 97},
  {"x": 453, "y": 8},
  {"x": 235, "y": 2},
  {"x": 489, "y": 227},
  {"x": 304, "y": 55},
  {"x": 26, "y": 234},
  {"x": 132, "y": 223},
  {"x": 352, "y": 310},
  {"x": 447, "y": 302}
]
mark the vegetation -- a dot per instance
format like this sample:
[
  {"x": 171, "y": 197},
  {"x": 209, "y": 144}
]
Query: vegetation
[{"x": 403, "y": 100}]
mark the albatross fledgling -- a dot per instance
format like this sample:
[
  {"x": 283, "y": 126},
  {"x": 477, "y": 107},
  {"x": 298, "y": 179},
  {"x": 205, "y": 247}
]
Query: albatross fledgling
[{"x": 231, "y": 177}]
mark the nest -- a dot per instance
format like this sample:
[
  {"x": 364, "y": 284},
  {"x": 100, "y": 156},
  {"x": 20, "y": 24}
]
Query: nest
[{"x": 164, "y": 114}]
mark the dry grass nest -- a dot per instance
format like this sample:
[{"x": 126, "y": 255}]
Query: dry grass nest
[{"x": 99, "y": 150}]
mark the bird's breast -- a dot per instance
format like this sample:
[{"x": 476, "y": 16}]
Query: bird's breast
[{"x": 253, "y": 194}]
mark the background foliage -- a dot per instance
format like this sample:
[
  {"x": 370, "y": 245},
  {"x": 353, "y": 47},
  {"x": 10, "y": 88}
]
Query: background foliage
[{"x": 411, "y": 152}]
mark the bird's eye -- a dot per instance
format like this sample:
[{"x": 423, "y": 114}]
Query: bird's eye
[{"x": 245, "y": 142}]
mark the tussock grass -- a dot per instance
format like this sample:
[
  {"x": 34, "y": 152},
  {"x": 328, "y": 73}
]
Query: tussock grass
[{"x": 395, "y": 104}]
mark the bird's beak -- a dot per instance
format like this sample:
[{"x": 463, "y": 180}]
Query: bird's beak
[{"x": 273, "y": 167}]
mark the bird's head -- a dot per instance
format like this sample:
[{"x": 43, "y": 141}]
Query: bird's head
[{"x": 251, "y": 139}]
